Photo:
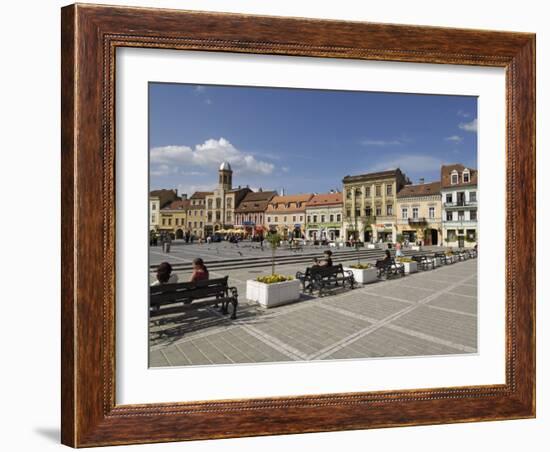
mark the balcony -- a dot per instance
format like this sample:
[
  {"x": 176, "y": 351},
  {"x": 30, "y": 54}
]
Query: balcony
[
  {"x": 419, "y": 221},
  {"x": 460, "y": 204}
]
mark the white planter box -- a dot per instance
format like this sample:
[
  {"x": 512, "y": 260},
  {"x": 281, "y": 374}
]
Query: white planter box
[
  {"x": 364, "y": 276},
  {"x": 410, "y": 267},
  {"x": 415, "y": 248},
  {"x": 269, "y": 295},
  {"x": 371, "y": 246},
  {"x": 436, "y": 262}
]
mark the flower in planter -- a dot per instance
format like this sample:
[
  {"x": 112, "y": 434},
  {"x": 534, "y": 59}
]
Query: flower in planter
[
  {"x": 404, "y": 260},
  {"x": 272, "y": 279},
  {"x": 361, "y": 266}
]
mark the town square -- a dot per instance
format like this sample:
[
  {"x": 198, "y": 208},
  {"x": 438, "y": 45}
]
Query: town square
[{"x": 431, "y": 309}]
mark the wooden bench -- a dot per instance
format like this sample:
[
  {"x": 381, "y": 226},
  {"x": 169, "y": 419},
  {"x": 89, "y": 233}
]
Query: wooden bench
[
  {"x": 389, "y": 268},
  {"x": 320, "y": 278},
  {"x": 174, "y": 298}
]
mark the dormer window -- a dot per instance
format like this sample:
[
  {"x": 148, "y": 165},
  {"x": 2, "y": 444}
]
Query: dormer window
[
  {"x": 454, "y": 177},
  {"x": 466, "y": 176}
]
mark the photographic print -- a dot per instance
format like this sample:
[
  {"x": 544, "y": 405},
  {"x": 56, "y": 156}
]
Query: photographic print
[{"x": 304, "y": 224}]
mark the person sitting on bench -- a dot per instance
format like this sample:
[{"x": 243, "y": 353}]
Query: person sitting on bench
[
  {"x": 200, "y": 272},
  {"x": 326, "y": 261},
  {"x": 164, "y": 275}
]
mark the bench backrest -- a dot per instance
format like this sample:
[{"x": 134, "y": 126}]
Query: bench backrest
[
  {"x": 187, "y": 291},
  {"x": 325, "y": 272}
]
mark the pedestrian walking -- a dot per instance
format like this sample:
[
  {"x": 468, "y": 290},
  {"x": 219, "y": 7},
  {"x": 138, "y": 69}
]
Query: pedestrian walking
[{"x": 398, "y": 252}]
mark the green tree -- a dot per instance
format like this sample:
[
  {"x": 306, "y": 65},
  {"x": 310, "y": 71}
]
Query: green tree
[{"x": 274, "y": 240}]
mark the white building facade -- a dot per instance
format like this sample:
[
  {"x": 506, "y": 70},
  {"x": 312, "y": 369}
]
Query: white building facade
[{"x": 459, "y": 206}]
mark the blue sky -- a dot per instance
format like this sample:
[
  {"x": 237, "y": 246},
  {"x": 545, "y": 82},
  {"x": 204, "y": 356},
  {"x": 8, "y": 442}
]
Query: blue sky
[{"x": 302, "y": 140}]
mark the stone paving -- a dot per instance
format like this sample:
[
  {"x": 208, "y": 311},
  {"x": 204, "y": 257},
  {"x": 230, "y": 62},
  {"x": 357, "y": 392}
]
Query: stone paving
[{"x": 426, "y": 313}]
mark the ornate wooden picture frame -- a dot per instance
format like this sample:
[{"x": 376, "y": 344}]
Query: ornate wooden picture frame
[{"x": 90, "y": 37}]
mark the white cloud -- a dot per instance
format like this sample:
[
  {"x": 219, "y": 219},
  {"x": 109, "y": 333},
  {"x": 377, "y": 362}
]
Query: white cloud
[
  {"x": 410, "y": 163},
  {"x": 469, "y": 126},
  {"x": 209, "y": 155},
  {"x": 454, "y": 139},
  {"x": 163, "y": 170},
  {"x": 369, "y": 142},
  {"x": 463, "y": 114}
]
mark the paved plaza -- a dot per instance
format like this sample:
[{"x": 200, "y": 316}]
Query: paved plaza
[{"x": 426, "y": 313}]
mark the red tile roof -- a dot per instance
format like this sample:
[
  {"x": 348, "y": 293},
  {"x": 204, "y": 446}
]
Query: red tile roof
[
  {"x": 409, "y": 191},
  {"x": 325, "y": 199},
  {"x": 446, "y": 171}
]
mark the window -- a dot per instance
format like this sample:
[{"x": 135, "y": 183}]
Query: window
[
  {"x": 449, "y": 216},
  {"x": 415, "y": 213},
  {"x": 301, "y": 218},
  {"x": 460, "y": 215},
  {"x": 209, "y": 218},
  {"x": 348, "y": 194},
  {"x": 169, "y": 221},
  {"x": 348, "y": 213},
  {"x": 190, "y": 225},
  {"x": 431, "y": 212},
  {"x": 322, "y": 218},
  {"x": 276, "y": 219},
  {"x": 466, "y": 176},
  {"x": 368, "y": 212},
  {"x": 269, "y": 219},
  {"x": 473, "y": 215},
  {"x": 163, "y": 221},
  {"x": 309, "y": 218},
  {"x": 454, "y": 177},
  {"x": 284, "y": 219},
  {"x": 332, "y": 218},
  {"x": 449, "y": 198},
  {"x": 152, "y": 219},
  {"x": 228, "y": 216},
  {"x": 218, "y": 203},
  {"x": 378, "y": 190},
  {"x": 294, "y": 218},
  {"x": 228, "y": 202},
  {"x": 338, "y": 218},
  {"x": 451, "y": 235},
  {"x": 379, "y": 211},
  {"x": 473, "y": 196},
  {"x": 218, "y": 216},
  {"x": 389, "y": 209},
  {"x": 404, "y": 213},
  {"x": 210, "y": 203},
  {"x": 154, "y": 207},
  {"x": 367, "y": 192},
  {"x": 389, "y": 189},
  {"x": 357, "y": 213},
  {"x": 200, "y": 224},
  {"x": 195, "y": 224}
]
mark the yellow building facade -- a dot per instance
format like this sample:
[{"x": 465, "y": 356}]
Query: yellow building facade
[
  {"x": 419, "y": 213},
  {"x": 370, "y": 205}
]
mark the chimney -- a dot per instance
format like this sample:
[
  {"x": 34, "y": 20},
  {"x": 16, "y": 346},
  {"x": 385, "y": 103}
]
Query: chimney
[
  {"x": 260, "y": 190},
  {"x": 176, "y": 191},
  {"x": 184, "y": 196},
  {"x": 421, "y": 181}
]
